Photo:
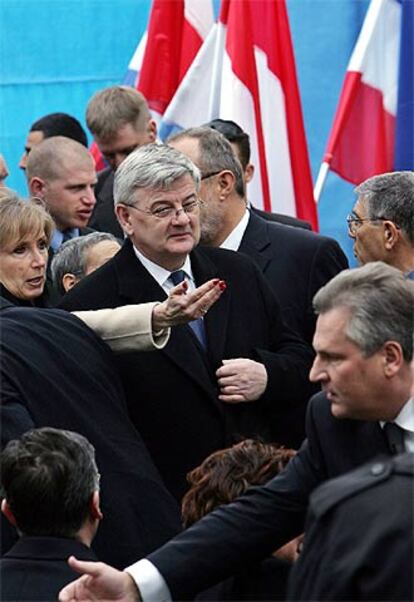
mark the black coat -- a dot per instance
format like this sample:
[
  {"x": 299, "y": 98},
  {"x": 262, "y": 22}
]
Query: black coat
[
  {"x": 268, "y": 516},
  {"x": 296, "y": 263},
  {"x": 35, "y": 569},
  {"x": 56, "y": 372},
  {"x": 282, "y": 218},
  {"x": 359, "y": 542},
  {"x": 103, "y": 217},
  {"x": 172, "y": 393}
]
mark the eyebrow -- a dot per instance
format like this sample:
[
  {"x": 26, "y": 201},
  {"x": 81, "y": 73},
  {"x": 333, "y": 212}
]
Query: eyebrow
[{"x": 187, "y": 198}]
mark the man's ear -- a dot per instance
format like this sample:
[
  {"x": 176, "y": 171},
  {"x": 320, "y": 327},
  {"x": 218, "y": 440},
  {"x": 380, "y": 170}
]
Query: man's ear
[
  {"x": 69, "y": 281},
  {"x": 152, "y": 130},
  {"x": 249, "y": 173},
  {"x": 226, "y": 182},
  {"x": 391, "y": 234},
  {"x": 94, "y": 506},
  {"x": 393, "y": 358},
  {"x": 37, "y": 187},
  {"x": 123, "y": 213},
  {"x": 5, "y": 508}
]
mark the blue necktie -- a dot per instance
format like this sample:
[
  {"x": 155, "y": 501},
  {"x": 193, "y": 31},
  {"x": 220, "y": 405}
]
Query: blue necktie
[{"x": 197, "y": 326}]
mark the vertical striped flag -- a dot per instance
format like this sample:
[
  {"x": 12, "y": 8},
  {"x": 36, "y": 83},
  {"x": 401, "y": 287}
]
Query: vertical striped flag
[
  {"x": 372, "y": 131},
  {"x": 245, "y": 71},
  {"x": 176, "y": 30}
]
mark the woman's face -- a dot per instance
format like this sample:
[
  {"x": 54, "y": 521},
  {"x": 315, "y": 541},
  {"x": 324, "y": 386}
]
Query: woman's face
[{"x": 23, "y": 267}]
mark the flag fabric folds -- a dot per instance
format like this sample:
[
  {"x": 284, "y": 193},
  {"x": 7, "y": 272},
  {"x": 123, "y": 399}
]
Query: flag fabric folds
[
  {"x": 176, "y": 30},
  {"x": 366, "y": 138},
  {"x": 245, "y": 71}
]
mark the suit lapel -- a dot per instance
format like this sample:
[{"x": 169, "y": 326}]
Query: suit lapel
[
  {"x": 256, "y": 243},
  {"x": 216, "y": 320},
  {"x": 136, "y": 285}
]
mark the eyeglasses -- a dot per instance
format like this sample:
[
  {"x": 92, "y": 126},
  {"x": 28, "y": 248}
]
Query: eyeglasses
[
  {"x": 210, "y": 174},
  {"x": 167, "y": 212},
  {"x": 354, "y": 222}
]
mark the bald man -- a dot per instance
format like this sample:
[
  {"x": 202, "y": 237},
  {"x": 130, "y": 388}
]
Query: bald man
[{"x": 62, "y": 172}]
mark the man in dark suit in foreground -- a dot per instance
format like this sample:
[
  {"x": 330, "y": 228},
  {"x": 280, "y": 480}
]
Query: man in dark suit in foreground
[
  {"x": 364, "y": 346},
  {"x": 50, "y": 484},
  {"x": 233, "y": 372},
  {"x": 55, "y": 371}
]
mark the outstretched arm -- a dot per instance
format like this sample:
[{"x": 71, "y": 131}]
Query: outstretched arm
[{"x": 99, "y": 582}]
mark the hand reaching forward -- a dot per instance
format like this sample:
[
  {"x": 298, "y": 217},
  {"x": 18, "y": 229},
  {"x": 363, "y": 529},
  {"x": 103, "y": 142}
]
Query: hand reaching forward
[
  {"x": 99, "y": 582},
  {"x": 182, "y": 307},
  {"x": 241, "y": 379}
]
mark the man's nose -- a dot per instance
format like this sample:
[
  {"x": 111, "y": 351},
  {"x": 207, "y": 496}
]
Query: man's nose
[
  {"x": 317, "y": 372},
  {"x": 89, "y": 196},
  {"x": 23, "y": 161}
]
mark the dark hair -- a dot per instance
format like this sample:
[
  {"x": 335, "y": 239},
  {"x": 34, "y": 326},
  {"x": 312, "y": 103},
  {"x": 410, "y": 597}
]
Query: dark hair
[
  {"x": 48, "y": 477},
  {"x": 233, "y": 133},
  {"x": 228, "y": 473},
  {"x": 60, "y": 124}
]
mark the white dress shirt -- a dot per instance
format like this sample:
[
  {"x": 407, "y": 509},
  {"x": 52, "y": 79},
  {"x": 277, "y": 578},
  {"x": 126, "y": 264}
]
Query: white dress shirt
[
  {"x": 161, "y": 275},
  {"x": 233, "y": 241},
  {"x": 405, "y": 420}
]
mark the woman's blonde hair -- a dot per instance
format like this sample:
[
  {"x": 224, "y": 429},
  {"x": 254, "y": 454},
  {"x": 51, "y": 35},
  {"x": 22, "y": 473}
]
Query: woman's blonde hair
[{"x": 21, "y": 219}]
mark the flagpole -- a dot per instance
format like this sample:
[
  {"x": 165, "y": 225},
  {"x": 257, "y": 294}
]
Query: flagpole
[{"x": 320, "y": 180}]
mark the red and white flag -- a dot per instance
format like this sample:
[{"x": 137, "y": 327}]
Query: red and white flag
[
  {"x": 362, "y": 140},
  {"x": 176, "y": 30},
  {"x": 245, "y": 71}
]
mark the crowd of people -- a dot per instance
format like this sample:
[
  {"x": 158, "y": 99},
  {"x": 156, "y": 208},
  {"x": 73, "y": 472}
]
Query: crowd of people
[{"x": 199, "y": 399}]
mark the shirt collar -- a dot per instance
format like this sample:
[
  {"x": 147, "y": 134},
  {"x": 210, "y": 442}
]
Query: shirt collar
[
  {"x": 233, "y": 241},
  {"x": 405, "y": 418},
  {"x": 160, "y": 274},
  {"x": 57, "y": 237}
]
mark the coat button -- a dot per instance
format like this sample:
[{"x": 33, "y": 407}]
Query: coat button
[{"x": 377, "y": 469}]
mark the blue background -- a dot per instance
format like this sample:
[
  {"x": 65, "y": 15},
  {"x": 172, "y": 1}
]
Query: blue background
[{"x": 54, "y": 54}]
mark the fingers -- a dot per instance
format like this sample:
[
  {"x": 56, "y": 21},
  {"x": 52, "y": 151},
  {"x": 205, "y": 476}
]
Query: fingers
[
  {"x": 180, "y": 289},
  {"x": 232, "y": 398},
  {"x": 85, "y": 567}
]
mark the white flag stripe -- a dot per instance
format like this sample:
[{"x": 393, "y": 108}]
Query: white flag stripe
[
  {"x": 380, "y": 36},
  {"x": 277, "y": 151},
  {"x": 199, "y": 14}
]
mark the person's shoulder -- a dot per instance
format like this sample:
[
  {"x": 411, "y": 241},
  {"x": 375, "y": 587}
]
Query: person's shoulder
[
  {"x": 363, "y": 481},
  {"x": 224, "y": 257}
]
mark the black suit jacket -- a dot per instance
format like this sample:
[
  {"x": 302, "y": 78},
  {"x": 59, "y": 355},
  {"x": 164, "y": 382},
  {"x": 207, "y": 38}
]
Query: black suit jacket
[
  {"x": 103, "y": 217},
  {"x": 296, "y": 263},
  {"x": 172, "y": 393},
  {"x": 266, "y": 517},
  {"x": 282, "y": 218},
  {"x": 56, "y": 372},
  {"x": 35, "y": 569}
]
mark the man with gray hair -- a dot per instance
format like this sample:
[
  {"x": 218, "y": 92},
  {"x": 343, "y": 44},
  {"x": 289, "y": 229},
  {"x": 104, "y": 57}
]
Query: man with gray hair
[
  {"x": 214, "y": 380},
  {"x": 364, "y": 347},
  {"x": 295, "y": 263},
  {"x": 382, "y": 221},
  {"x": 81, "y": 256}
]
